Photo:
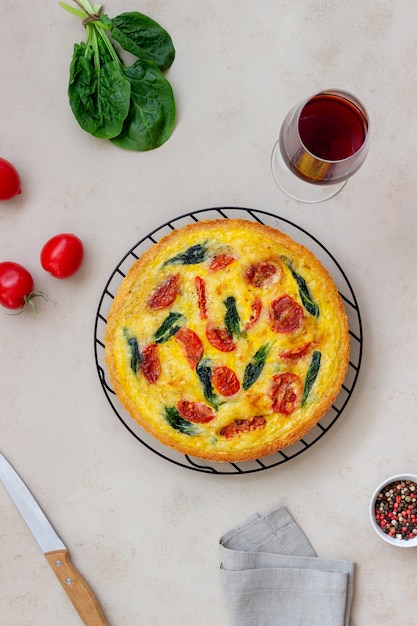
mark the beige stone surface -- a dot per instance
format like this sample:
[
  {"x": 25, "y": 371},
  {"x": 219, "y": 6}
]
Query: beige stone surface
[{"x": 144, "y": 531}]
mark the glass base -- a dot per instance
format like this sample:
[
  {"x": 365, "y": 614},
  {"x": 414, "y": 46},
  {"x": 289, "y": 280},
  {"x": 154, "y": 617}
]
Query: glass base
[{"x": 299, "y": 189}]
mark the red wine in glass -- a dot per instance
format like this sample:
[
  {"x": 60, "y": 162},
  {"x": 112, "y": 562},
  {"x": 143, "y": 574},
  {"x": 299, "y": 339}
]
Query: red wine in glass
[{"x": 323, "y": 141}]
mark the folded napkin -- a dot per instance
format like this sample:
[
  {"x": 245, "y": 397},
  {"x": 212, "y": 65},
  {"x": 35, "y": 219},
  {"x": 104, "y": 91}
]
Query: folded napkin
[{"x": 272, "y": 576}]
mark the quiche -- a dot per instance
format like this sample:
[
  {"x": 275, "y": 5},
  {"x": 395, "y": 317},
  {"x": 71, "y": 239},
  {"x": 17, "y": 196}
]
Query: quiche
[{"x": 227, "y": 340}]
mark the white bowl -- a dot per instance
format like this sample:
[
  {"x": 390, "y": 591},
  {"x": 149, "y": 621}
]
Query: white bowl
[{"x": 393, "y": 540}]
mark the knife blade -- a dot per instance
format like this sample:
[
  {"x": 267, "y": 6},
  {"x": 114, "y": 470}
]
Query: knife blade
[{"x": 55, "y": 551}]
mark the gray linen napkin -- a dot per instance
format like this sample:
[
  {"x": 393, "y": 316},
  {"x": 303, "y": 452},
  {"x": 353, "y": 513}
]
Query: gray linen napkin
[{"x": 272, "y": 577}]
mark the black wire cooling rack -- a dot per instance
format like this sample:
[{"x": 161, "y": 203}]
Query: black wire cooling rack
[{"x": 355, "y": 329}]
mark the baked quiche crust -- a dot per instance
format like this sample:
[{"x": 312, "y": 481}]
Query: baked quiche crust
[{"x": 227, "y": 340}]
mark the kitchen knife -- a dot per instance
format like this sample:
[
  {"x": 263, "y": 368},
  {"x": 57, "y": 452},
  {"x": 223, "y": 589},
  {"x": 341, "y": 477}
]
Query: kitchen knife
[{"x": 51, "y": 545}]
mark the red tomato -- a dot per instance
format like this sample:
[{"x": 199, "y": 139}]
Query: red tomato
[
  {"x": 256, "y": 311},
  {"x": 62, "y": 255},
  {"x": 220, "y": 338},
  {"x": 191, "y": 345},
  {"x": 16, "y": 285},
  {"x": 286, "y": 315},
  {"x": 243, "y": 426},
  {"x": 225, "y": 380},
  {"x": 200, "y": 286},
  {"x": 195, "y": 411},
  {"x": 261, "y": 274},
  {"x": 165, "y": 294},
  {"x": 286, "y": 393},
  {"x": 150, "y": 364},
  {"x": 296, "y": 353},
  {"x": 220, "y": 261},
  {"x": 9, "y": 180}
]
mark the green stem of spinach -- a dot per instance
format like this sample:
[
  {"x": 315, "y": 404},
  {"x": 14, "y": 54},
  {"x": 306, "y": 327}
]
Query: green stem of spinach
[
  {"x": 86, "y": 6},
  {"x": 99, "y": 31},
  {"x": 91, "y": 17},
  {"x": 70, "y": 9},
  {"x": 86, "y": 11}
]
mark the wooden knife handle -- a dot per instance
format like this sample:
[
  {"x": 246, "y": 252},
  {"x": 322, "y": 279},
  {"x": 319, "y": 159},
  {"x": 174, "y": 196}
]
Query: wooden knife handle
[{"x": 76, "y": 588}]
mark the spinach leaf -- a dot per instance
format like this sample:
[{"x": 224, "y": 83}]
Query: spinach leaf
[
  {"x": 135, "y": 356},
  {"x": 151, "y": 117},
  {"x": 133, "y": 106},
  {"x": 179, "y": 423},
  {"x": 105, "y": 51},
  {"x": 306, "y": 298},
  {"x": 99, "y": 94},
  {"x": 194, "y": 255},
  {"x": 135, "y": 359},
  {"x": 313, "y": 370},
  {"x": 204, "y": 372},
  {"x": 141, "y": 36},
  {"x": 232, "y": 319},
  {"x": 168, "y": 328},
  {"x": 255, "y": 366}
]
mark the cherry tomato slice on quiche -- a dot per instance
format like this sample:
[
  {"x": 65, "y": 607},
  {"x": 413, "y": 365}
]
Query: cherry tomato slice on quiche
[
  {"x": 225, "y": 380},
  {"x": 200, "y": 286},
  {"x": 220, "y": 338},
  {"x": 286, "y": 315},
  {"x": 243, "y": 426},
  {"x": 260, "y": 274},
  {"x": 150, "y": 364},
  {"x": 255, "y": 314},
  {"x": 197, "y": 412},
  {"x": 191, "y": 345},
  {"x": 220, "y": 261},
  {"x": 286, "y": 393},
  {"x": 166, "y": 293},
  {"x": 295, "y": 353}
]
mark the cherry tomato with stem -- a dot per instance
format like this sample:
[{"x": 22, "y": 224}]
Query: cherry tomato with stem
[
  {"x": 16, "y": 287},
  {"x": 62, "y": 255},
  {"x": 9, "y": 180}
]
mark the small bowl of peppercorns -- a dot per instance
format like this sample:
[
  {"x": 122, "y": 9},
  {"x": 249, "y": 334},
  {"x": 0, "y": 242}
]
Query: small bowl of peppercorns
[{"x": 393, "y": 510}]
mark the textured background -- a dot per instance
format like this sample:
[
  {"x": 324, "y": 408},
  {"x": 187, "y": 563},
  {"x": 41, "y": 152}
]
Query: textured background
[{"x": 143, "y": 531}]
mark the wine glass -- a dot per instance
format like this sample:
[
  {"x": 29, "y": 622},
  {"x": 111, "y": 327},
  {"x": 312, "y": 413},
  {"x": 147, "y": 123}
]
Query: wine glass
[{"x": 323, "y": 141}]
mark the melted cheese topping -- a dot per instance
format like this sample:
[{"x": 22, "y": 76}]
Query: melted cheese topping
[{"x": 250, "y": 245}]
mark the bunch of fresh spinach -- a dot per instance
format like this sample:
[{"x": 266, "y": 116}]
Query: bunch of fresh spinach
[{"x": 132, "y": 106}]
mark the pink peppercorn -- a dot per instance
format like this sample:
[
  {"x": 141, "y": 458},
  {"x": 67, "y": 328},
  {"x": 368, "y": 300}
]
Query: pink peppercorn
[{"x": 396, "y": 510}]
